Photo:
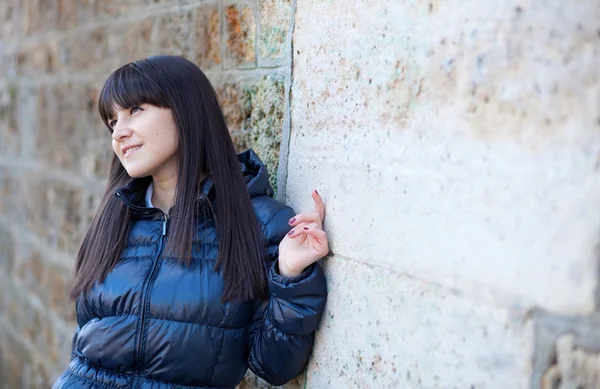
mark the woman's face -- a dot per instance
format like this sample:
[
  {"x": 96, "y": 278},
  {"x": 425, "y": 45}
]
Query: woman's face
[{"x": 152, "y": 132}]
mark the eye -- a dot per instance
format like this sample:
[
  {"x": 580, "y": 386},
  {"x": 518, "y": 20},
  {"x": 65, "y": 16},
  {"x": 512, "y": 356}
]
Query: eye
[
  {"x": 135, "y": 108},
  {"x": 112, "y": 124}
]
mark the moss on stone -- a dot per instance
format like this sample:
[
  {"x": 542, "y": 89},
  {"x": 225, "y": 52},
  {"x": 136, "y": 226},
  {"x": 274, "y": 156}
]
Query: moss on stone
[{"x": 263, "y": 105}]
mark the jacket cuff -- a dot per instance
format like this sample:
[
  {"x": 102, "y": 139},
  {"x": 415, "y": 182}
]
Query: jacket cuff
[
  {"x": 297, "y": 303},
  {"x": 278, "y": 278}
]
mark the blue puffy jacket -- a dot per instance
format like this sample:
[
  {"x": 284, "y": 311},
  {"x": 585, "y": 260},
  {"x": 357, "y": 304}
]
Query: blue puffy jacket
[{"x": 154, "y": 323}]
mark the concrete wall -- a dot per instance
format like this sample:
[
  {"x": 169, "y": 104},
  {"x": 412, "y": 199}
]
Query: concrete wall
[{"x": 455, "y": 143}]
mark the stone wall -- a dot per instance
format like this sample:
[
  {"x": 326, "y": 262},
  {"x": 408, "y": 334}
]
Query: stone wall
[
  {"x": 456, "y": 144},
  {"x": 54, "y": 151}
]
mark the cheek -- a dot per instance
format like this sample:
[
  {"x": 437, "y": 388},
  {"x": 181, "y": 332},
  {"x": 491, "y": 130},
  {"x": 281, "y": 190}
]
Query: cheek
[{"x": 114, "y": 147}]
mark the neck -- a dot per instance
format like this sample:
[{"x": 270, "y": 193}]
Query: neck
[{"x": 163, "y": 195}]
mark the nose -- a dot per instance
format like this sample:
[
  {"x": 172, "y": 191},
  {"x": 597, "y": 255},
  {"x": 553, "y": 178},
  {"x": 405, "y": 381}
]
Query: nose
[{"x": 120, "y": 131}]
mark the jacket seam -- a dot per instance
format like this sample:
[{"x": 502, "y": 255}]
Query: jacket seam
[
  {"x": 90, "y": 380},
  {"x": 177, "y": 321},
  {"x": 217, "y": 358}
]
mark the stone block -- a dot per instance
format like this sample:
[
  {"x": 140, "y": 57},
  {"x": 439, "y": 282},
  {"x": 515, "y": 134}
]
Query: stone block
[
  {"x": 50, "y": 282},
  {"x": 11, "y": 203},
  {"x": 89, "y": 51},
  {"x": 382, "y": 329},
  {"x": 30, "y": 271},
  {"x": 27, "y": 100},
  {"x": 207, "y": 27},
  {"x": 239, "y": 22},
  {"x": 116, "y": 8},
  {"x": 254, "y": 111},
  {"x": 91, "y": 205},
  {"x": 8, "y": 20},
  {"x": 38, "y": 16},
  {"x": 60, "y": 135},
  {"x": 6, "y": 191},
  {"x": 8, "y": 64},
  {"x": 36, "y": 217},
  {"x": 138, "y": 41},
  {"x": 67, "y": 14},
  {"x": 264, "y": 107},
  {"x": 175, "y": 32},
  {"x": 275, "y": 18},
  {"x": 230, "y": 96},
  {"x": 53, "y": 211},
  {"x": 96, "y": 142},
  {"x": 490, "y": 204},
  {"x": 574, "y": 367},
  {"x": 69, "y": 229},
  {"x": 19, "y": 367},
  {"x": 38, "y": 59},
  {"x": 10, "y": 142},
  {"x": 7, "y": 251},
  {"x": 13, "y": 358},
  {"x": 56, "y": 284}
]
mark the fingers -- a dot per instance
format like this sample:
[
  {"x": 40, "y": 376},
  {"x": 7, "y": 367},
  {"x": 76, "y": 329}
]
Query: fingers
[
  {"x": 319, "y": 205},
  {"x": 316, "y": 216},
  {"x": 306, "y": 217},
  {"x": 319, "y": 237}
]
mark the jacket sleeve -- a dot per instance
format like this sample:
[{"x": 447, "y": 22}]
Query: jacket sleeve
[{"x": 283, "y": 327}]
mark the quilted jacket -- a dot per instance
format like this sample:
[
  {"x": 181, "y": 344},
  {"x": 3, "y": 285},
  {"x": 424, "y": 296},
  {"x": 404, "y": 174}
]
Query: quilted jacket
[{"x": 156, "y": 324}]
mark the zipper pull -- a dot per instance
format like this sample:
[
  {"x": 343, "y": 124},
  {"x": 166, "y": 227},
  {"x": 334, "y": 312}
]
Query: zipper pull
[{"x": 164, "y": 232}]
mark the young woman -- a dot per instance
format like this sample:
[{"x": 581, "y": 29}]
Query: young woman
[{"x": 187, "y": 275}]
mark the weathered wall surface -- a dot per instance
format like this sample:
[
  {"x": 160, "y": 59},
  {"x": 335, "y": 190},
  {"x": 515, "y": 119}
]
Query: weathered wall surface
[
  {"x": 457, "y": 145},
  {"x": 54, "y": 151}
]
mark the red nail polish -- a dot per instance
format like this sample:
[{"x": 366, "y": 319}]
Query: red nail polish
[
  {"x": 291, "y": 232},
  {"x": 306, "y": 228},
  {"x": 316, "y": 192}
]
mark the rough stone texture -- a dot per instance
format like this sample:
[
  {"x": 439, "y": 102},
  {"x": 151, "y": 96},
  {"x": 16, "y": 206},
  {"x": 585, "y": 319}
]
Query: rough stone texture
[
  {"x": 207, "y": 23},
  {"x": 254, "y": 112},
  {"x": 264, "y": 110},
  {"x": 175, "y": 34},
  {"x": 421, "y": 335},
  {"x": 574, "y": 368},
  {"x": 9, "y": 129},
  {"x": 456, "y": 146},
  {"x": 275, "y": 18},
  {"x": 240, "y": 35},
  {"x": 7, "y": 251},
  {"x": 55, "y": 153}
]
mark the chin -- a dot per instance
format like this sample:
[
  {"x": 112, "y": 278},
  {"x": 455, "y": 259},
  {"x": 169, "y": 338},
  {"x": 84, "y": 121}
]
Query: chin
[{"x": 137, "y": 173}]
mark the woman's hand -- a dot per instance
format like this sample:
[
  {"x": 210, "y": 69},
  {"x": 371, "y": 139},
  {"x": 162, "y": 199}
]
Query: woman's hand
[{"x": 306, "y": 242}]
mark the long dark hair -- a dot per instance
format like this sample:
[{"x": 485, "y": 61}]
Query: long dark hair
[{"x": 205, "y": 147}]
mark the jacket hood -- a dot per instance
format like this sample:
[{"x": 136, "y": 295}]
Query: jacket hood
[{"x": 256, "y": 178}]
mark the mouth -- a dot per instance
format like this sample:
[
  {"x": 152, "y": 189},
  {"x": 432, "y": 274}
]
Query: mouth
[{"x": 132, "y": 150}]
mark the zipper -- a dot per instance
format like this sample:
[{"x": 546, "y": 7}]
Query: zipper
[{"x": 145, "y": 296}]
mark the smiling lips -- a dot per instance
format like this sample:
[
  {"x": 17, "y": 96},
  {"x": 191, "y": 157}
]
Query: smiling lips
[{"x": 131, "y": 150}]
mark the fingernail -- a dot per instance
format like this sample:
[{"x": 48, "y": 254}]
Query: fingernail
[
  {"x": 316, "y": 192},
  {"x": 291, "y": 232},
  {"x": 306, "y": 228},
  {"x": 292, "y": 220}
]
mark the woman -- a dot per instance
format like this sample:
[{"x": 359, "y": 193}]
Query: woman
[{"x": 187, "y": 275}]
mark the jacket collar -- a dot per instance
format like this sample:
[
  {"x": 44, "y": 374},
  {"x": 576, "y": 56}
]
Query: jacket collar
[{"x": 256, "y": 178}]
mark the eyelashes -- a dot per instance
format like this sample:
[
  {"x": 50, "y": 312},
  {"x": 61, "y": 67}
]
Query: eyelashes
[{"x": 132, "y": 110}]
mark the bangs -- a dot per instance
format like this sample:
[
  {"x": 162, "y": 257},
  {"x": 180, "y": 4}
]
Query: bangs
[{"x": 126, "y": 87}]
